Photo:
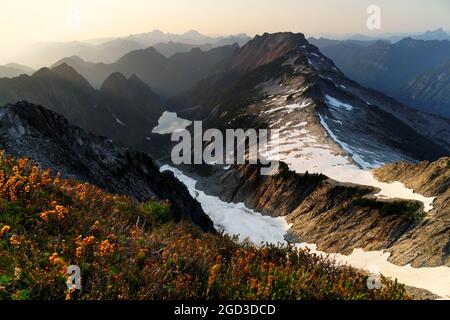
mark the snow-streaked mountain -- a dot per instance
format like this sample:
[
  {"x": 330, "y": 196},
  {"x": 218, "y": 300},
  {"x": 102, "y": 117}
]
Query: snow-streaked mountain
[
  {"x": 300, "y": 91},
  {"x": 325, "y": 123}
]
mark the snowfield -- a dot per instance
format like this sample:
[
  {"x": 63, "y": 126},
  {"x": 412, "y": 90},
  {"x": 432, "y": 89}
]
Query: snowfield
[
  {"x": 335, "y": 103},
  {"x": 237, "y": 219},
  {"x": 302, "y": 152}
]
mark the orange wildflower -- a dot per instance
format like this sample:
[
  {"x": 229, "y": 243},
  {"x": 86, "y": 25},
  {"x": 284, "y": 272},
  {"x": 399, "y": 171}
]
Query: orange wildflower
[
  {"x": 14, "y": 240},
  {"x": 212, "y": 276},
  {"x": 5, "y": 229},
  {"x": 106, "y": 248}
]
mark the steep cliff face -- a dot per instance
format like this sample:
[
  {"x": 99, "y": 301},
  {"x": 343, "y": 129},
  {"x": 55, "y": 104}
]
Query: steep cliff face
[
  {"x": 31, "y": 131},
  {"x": 338, "y": 217}
]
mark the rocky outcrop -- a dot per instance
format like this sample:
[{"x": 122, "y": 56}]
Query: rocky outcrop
[
  {"x": 31, "y": 131},
  {"x": 264, "y": 49},
  {"x": 338, "y": 217},
  {"x": 429, "y": 242}
]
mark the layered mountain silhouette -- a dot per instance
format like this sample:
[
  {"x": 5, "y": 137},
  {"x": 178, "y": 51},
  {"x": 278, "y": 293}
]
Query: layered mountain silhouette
[
  {"x": 190, "y": 37},
  {"x": 438, "y": 34},
  {"x": 324, "y": 42},
  {"x": 390, "y": 68},
  {"x": 170, "y": 48},
  {"x": 13, "y": 70},
  {"x": 123, "y": 109},
  {"x": 166, "y": 76},
  {"x": 110, "y": 50}
]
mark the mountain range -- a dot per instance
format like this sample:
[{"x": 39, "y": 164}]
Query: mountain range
[
  {"x": 13, "y": 70},
  {"x": 436, "y": 34},
  {"x": 166, "y": 76},
  {"x": 110, "y": 50},
  {"x": 123, "y": 109},
  {"x": 327, "y": 124},
  {"x": 297, "y": 73},
  {"x": 396, "y": 69}
]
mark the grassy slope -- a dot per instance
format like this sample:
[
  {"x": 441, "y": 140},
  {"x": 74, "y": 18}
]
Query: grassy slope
[{"x": 129, "y": 250}]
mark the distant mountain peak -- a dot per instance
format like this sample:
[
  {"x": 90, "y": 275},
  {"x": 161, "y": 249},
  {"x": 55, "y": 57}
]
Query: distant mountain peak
[
  {"x": 192, "y": 33},
  {"x": 133, "y": 88},
  {"x": 66, "y": 71},
  {"x": 157, "y": 31},
  {"x": 76, "y": 58},
  {"x": 115, "y": 84},
  {"x": 117, "y": 81},
  {"x": 265, "y": 48},
  {"x": 141, "y": 54},
  {"x": 437, "y": 31},
  {"x": 134, "y": 78},
  {"x": 437, "y": 34},
  {"x": 116, "y": 76}
]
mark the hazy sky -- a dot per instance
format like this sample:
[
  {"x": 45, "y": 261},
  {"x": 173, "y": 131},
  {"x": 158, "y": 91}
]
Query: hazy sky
[{"x": 24, "y": 21}]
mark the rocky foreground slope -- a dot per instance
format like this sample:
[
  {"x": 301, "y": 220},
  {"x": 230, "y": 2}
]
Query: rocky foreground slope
[{"x": 31, "y": 131}]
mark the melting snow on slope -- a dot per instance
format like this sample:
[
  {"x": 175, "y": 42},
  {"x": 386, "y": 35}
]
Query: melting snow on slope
[
  {"x": 346, "y": 147},
  {"x": 302, "y": 152},
  {"x": 237, "y": 219},
  {"x": 353, "y": 174},
  {"x": 435, "y": 279},
  {"x": 289, "y": 108},
  {"x": 333, "y": 102},
  {"x": 118, "y": 120}
]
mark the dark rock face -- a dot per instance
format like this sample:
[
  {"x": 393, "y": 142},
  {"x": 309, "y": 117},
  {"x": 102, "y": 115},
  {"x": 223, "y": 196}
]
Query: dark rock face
[
  {"x": 31, "y": 131},
  {"x": 276, "y": 195}
]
